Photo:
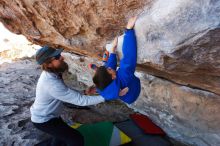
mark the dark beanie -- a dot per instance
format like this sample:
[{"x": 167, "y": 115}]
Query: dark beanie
[{"x": 44, "y": 53}]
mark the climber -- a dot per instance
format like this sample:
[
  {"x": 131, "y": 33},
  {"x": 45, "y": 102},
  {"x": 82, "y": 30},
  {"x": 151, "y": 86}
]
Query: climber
[
  {"x": 123, "y": 84},
  {"x": 50, "y": 93}
]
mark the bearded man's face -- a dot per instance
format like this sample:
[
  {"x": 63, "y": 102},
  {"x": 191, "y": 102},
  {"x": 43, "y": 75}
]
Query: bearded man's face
[{"x": 56, "y": 65}]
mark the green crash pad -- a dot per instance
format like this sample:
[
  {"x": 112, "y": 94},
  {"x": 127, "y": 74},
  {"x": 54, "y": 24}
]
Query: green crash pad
[{"x": 101, "y": 134}]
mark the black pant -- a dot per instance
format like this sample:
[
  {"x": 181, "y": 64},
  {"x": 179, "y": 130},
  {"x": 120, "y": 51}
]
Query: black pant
[{"x": 61, "y": 132}]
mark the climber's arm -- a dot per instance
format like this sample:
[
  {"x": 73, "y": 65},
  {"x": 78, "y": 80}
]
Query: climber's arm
[{"x": 112, "y": 60}]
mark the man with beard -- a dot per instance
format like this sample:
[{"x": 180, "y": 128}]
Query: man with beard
[{"x": 50, "y": 93}]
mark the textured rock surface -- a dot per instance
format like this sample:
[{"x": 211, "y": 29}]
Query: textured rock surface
[
  {"x": 17, "y": 91},
  {"x": 186, "y": 114},
  {"x": 177, "y": 40},
  {"x": 79, "y": 26}
]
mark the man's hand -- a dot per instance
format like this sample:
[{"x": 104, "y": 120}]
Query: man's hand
[
  {"x": 131, "y": 22},
  {"x": 114, "y": 45},
  {"x": 90, "y": 91},
  {"x": 123, "y": 91}
]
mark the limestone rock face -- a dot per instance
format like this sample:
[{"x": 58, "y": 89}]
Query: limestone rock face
[
  {"x": 177, "y": 40},
  {"x": 186, "y": 114},
  {"x": 80, "y": 26}
]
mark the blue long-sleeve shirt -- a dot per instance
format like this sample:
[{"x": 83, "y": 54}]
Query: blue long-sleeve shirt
[{"x": 125, "y": 74}]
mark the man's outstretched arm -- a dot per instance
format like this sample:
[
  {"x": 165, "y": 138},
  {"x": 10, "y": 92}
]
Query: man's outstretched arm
[{"x": 60, "y": 91}]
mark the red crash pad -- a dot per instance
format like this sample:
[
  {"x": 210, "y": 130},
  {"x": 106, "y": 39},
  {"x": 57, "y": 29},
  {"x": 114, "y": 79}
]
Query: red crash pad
[{"x": 146, "y": 124}]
